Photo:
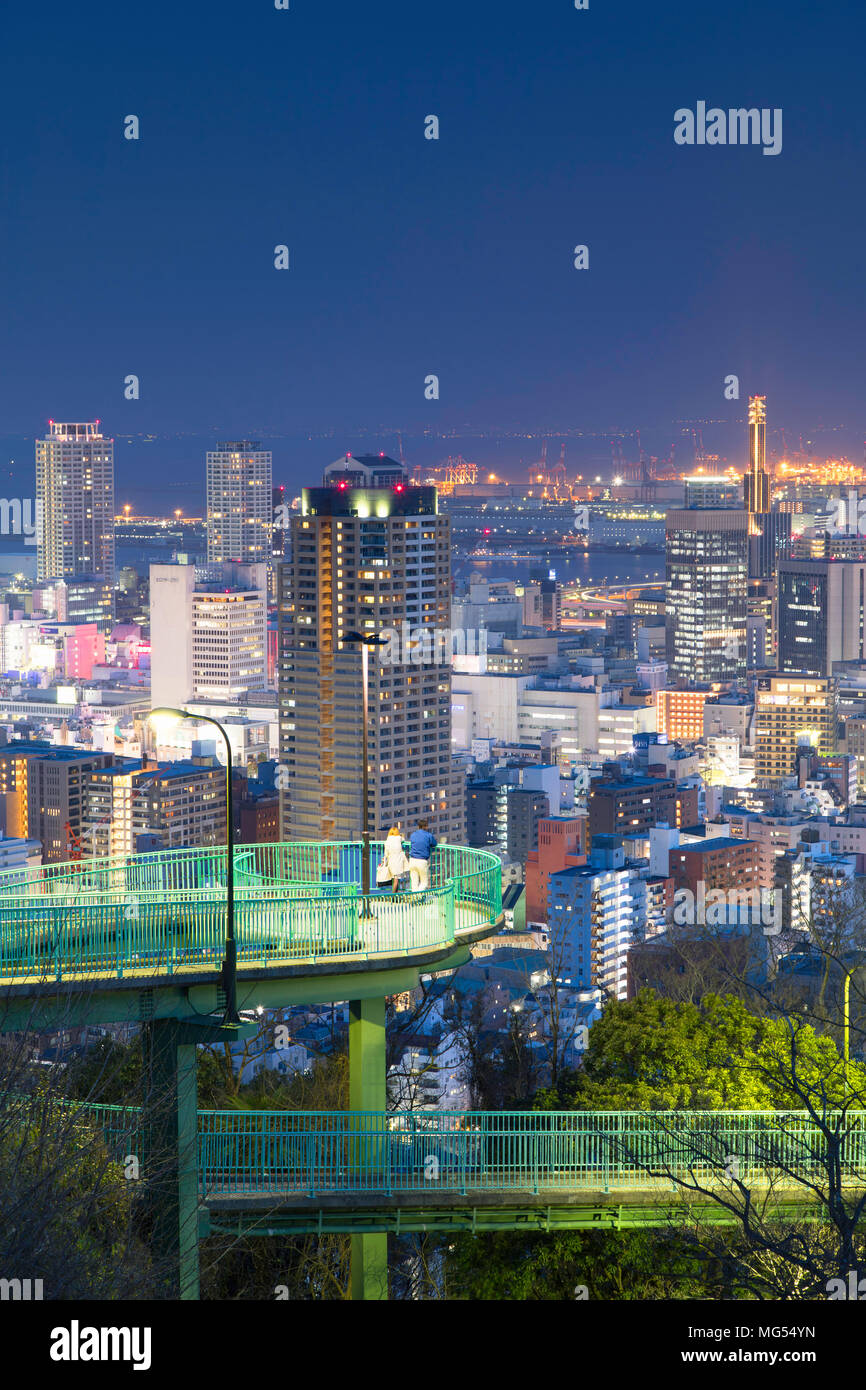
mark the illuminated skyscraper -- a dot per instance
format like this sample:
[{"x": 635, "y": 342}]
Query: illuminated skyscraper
[
  {"x": 756, "y": 483},
  {"x": 239, "y": 503},
  {"x": 369, "y": 553},
  {"x": 706, "y": 580},
  {"x": 75, "y": 502}
]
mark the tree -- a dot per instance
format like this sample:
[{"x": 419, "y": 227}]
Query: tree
[
  {"x": 791, "y": 1185},
  {"x": 654, "y": 1054}
]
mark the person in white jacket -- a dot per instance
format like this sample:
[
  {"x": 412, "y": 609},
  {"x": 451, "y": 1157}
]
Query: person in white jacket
[{"x": 395, "y": 857}]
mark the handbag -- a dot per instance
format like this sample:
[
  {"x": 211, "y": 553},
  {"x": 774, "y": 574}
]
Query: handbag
[{"x": 383, "y": 873}]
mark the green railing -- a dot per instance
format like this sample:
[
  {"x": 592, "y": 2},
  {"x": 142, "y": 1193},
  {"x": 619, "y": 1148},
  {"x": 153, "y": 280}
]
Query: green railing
[
  {"x": 320, "y": 1153},
  {"x": 317, "y": 1153},
  {"x": 166, "y": 912}
]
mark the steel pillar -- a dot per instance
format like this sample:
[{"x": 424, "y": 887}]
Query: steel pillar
[
  {"x": 171, "y": 1160},
  {"x": 170, "y": 1135},
  {"x": 367, "y": 1091}
]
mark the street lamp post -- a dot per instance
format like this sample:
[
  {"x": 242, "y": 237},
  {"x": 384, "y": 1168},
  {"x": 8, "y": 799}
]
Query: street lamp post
[
  {"x": 228, "y": 969},
  {"x": 846, "y": 1023},
  {"x": 366, "y": 641}
]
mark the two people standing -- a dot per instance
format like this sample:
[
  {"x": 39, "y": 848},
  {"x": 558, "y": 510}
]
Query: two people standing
[{"x": 421, "y": 845}]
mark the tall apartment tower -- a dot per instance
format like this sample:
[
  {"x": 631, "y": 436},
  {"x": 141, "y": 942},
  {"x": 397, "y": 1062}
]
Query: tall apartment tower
[
  {"x": 369, "y": 553},
  {"x": 756, "y": 483},
  {"x": 75, "y": 501},
  {"x": 208, "y": 632},
  {"x": 239, "y": 503},
  {"x": 707, "y": 557}
]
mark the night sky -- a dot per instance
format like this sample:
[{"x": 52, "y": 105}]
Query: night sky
[{"x": 410, "y": 256}]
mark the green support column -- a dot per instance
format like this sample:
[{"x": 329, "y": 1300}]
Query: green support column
[
  {"x": 171, "y": 1159},
  {"x": 367, "y": 1091}
]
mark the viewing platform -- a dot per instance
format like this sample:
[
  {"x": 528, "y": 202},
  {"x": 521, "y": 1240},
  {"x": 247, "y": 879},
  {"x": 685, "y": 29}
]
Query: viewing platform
[{"x": 149, "y": 921}]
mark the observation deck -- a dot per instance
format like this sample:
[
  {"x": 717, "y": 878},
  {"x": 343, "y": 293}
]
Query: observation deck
[{"x": 155, "y": 924}]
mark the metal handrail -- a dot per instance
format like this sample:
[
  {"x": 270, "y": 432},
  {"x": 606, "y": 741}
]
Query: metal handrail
[
  {"x": 316, "y": 1152},
  {"x": 165, "y": 912}
]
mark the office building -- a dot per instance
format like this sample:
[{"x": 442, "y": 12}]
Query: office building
[
  {"x": 75, "y": 502},
  {"x": 680, "y": 714},
  {"x": 855, "y": 743},
  {"x": 706, "y": 575},
  {"x": 625, "y": 805},
  {"x": 791, "y": 716},
  {"x": 43, "y": 791},
  {"x": 239, "y": 503},
  {"x": 769, "y": 543},
  {"x": 370, "y": 553},
  {"x": 207, "y": 635},
  {"x": 821, "y": 615},
  {"x": 82, "y": 598},
  {"x": 181, "y": 804}
]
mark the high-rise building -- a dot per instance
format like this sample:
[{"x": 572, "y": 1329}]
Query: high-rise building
[
  {"x": 239, "y": 503},
  {"x": 855, "y": 743},
  {"x": 706, "y": 576},
  {"x": 561, "y": 841},
  {"x": 821, "y": 614},
  {"x": 482, "y": 798},
  {"x": 791, "y": 716},
  {"x": 756, "y": 482},
  {"x": 75, "y": 502},
  {"x": 761, "y": 624},
  {"x": 369, "y": 553},
  {"x": 278, "y": 515},
  {"x": 769, "y": 543},
  {"x": 208, "y": 632}
]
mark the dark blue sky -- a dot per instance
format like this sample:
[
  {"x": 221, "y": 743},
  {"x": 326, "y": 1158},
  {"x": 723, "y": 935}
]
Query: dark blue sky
[{"x": 410, "y": 256}]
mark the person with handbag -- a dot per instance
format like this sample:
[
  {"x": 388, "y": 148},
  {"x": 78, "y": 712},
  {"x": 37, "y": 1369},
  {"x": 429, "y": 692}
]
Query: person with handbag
[{"x": 394, "y": 862}]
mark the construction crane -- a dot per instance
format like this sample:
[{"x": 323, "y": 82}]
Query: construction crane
[
  {"x": 458, "y": 473},
  {"x": 552, "y": 479}
]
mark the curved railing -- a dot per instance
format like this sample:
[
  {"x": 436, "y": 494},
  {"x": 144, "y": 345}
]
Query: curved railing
[{"x": 165, "y": 912}]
